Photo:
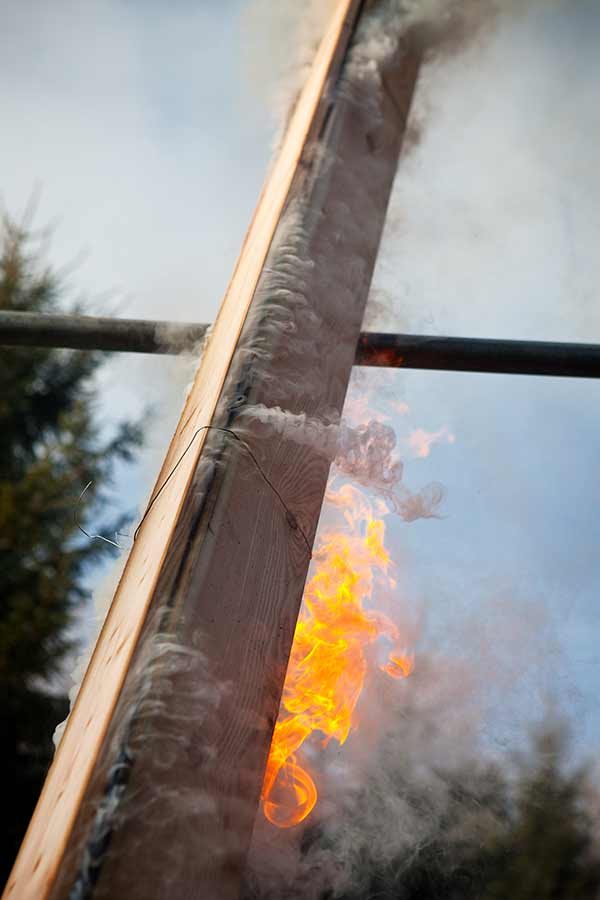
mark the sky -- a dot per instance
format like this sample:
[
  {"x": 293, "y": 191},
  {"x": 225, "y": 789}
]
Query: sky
[
  {"x": 148, "y": 138},
  {"x": 492, "y": 231},
  {"x": 149, "y": 128}
]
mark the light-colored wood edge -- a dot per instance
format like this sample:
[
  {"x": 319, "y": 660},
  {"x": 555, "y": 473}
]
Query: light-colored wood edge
[{"x": 46, "y": 839}]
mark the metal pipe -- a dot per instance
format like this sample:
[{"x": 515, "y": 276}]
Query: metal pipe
[
  {"x": 407, "y": 351},
  {"x": 26, "y": 329},
  {"x": 459, "y": 354}
]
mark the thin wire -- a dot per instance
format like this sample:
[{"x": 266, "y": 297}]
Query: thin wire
[
  {"x": 92, "y": 537},
  {"x": 289, "y": 515}
]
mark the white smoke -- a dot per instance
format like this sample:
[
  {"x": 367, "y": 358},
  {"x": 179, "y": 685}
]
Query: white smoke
[
  {"x": 282, "y": 39},
  {"x": 437, "y": 717},
  {"x": 491, "y": 663},
  {"x": 365, "y": 453}
]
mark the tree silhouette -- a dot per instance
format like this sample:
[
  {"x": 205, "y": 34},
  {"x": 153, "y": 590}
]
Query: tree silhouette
[
  {"x": 475, "y": 832},
  {"x": 51, "y": 446},
  {"x": 549, "y": 852}
]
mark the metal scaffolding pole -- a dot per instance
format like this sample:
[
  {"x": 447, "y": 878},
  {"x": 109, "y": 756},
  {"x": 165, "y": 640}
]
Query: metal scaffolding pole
[
  {"x": 407, "y": 351},
  {"x": 25, "y": 329},
  {"x": 460, "y": 354}
]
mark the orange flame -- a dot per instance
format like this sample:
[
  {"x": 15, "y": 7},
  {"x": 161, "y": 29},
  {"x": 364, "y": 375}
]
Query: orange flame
[{"x": 328, "y": 664}]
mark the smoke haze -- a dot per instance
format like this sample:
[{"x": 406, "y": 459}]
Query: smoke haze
[{"x": 493, "y": 230}]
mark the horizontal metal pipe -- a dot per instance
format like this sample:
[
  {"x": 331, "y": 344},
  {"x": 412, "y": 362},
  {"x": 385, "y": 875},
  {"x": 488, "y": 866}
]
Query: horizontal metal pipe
[
  {"x": 26, "y": 329},
  {"x": 407, "y": 351},
  {"x": 459, "y": 354}
]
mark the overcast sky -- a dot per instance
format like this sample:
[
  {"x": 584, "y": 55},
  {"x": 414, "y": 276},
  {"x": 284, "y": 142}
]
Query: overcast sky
[{"x": 148, "y": 127}]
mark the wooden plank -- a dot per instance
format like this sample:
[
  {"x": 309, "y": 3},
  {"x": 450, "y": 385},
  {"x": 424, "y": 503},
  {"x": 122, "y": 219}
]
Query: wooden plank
[
  {"x": 46, "y": 839},
  {"x": 233, "y": 583}
]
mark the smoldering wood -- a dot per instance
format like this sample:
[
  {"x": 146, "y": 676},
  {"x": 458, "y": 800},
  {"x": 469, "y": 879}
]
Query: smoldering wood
[
  {"x": 237, "y": 564},
  {"x": 194, "y": 719},
  {"x": 375, "y": 349},
  {"x": 53, "y": 848}
]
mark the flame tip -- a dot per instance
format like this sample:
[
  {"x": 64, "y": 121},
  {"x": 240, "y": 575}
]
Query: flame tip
[{"x": 328, "y": 663}]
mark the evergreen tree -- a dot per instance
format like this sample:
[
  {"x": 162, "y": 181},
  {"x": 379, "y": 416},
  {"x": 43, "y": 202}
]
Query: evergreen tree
[
  {"x": 454, "y": 857},
  {"x": 499, "y": 833},
  {"x": 523, "y": 835},
  {"x": 51, "y": 446},
  {"x": 549, "y": 852}
]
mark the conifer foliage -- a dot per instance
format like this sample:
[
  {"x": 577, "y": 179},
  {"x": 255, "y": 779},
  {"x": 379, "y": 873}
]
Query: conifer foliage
[
  {"x": 520, "y": 828},
  {"x": 52, "y": 444}
]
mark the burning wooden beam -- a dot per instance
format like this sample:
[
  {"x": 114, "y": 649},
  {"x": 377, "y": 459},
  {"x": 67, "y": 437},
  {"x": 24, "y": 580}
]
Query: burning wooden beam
[{"x": 157, "y": 779}]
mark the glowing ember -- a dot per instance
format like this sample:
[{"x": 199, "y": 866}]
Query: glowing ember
[{"x": 328, "y": 662}]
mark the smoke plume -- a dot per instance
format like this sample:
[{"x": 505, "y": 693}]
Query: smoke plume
[
  {"x": 474, "y": 666},
  {"x": 365, "y": 453},
  {"x": 490, "y": 659}
]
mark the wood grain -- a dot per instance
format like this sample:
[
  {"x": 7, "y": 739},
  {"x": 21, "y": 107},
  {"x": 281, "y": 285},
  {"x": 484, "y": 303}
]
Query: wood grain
[
  {"x": 46, "y": 840},
  {"x": 236, "y": 572}
]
